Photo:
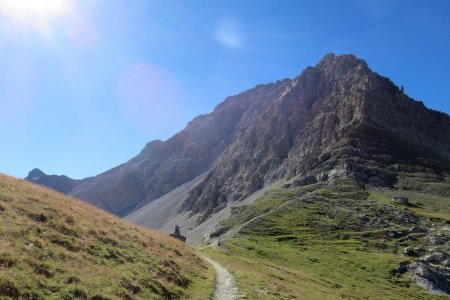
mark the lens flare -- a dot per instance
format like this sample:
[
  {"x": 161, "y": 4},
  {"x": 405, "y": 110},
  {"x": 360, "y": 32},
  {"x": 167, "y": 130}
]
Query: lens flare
[{"x": 34, "y": 10}]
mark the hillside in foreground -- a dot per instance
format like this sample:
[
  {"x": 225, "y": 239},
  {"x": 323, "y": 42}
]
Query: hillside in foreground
[
  {"x": 338, "y": 240},
  {"x": 56, "y": 247}
]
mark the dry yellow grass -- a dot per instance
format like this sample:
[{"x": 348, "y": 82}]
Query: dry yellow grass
[{"x": 56, "y": 247}]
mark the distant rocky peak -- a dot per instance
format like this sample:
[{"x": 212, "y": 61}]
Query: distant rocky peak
[{"x": 36, "y": 174}]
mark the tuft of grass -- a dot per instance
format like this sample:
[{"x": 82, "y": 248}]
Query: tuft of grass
[{"x": 56, "y": 247}]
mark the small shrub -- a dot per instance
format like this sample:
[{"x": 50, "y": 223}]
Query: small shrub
[
  {"x": 75, "y": 293},
  {"x": 32, "y": 295},
  {"x": 70, "y": 221},
  {"x": 131, "y": 287},
  {"x": 178, "y": 253},
  {"x": 63, "y": 229},
  {"x": 5, "y": 198},
  {"x": 73, "y": 280},
  {"x": 65, "y": 242},
  {"x": 40, "y": 218},
  {"x": 41, "y": 269},
  {"x": 108, "y": 241},
  {"x": 31, "y": 200},
  {"x": 9, "y": 289},
  {"x": 6, "y": 261},
  {"x": 286, "y": 238}
]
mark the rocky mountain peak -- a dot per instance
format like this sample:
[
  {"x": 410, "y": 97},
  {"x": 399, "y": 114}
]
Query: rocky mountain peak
[
  {"x": 35, "y": 174},
  {"x": 338, "y": 104},
  {"x": 337, "y": 118},
  {"x": 332, "y": 62}
]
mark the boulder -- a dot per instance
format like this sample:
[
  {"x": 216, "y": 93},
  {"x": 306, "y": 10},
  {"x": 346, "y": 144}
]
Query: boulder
[
  {"x": 433, "y": 278},
  {"x": 413, "y": 252},
  {"x": 411, "y": 238},
  {"x": 447, "y": 263},
  {"x": 439, "y": 239},
  {"x": 306, "y": 180},
  {"x": 436, "y": 257},
  {"x": 322, "y": 177},
  {"x": 418, "y": 229},
  {"x": 400, "y": 200},
  {"x": 401, "y": 268},
  {"x": 396, "y": 234}
]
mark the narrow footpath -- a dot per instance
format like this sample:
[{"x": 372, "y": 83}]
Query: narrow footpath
[{"x": 225, "y": 286}]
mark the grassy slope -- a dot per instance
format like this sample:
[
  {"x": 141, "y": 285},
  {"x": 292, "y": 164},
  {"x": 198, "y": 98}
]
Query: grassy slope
[
  {"x": 55, "y": 247},
  {"x": 327, "y": 243}
]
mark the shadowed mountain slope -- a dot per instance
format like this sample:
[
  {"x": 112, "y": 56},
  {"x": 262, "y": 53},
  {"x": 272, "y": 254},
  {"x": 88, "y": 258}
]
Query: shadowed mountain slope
[{"x": 59, "y": 183}]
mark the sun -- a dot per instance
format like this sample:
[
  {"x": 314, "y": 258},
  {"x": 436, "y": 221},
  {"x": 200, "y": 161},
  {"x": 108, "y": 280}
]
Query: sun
[{"x": 32, "y": 11}]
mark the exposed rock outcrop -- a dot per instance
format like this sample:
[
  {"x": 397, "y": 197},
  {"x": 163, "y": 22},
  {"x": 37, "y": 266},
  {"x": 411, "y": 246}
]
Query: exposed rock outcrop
[{"x": 338, "y": 116}]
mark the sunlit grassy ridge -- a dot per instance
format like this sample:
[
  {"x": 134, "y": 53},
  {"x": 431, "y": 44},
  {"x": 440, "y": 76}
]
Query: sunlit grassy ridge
[
  {"x": 328, "y": 242},
  {"x": 55, "y": 247}
]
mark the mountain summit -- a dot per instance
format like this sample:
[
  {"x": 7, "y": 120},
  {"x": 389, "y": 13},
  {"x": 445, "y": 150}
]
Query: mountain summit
[{"x": 338, "y": 118}]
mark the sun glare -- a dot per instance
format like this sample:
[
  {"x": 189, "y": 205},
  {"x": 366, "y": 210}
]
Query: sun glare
[{"x": 34, "y": 10}]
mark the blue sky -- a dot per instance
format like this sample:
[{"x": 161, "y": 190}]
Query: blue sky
[{"x": 84, "y": 88}]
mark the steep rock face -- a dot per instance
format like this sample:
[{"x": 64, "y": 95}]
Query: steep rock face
[
  {"x": 328, "y": 118},
  {"x": 338, "y": 116},
  {"x": 163, "y": 166}
]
